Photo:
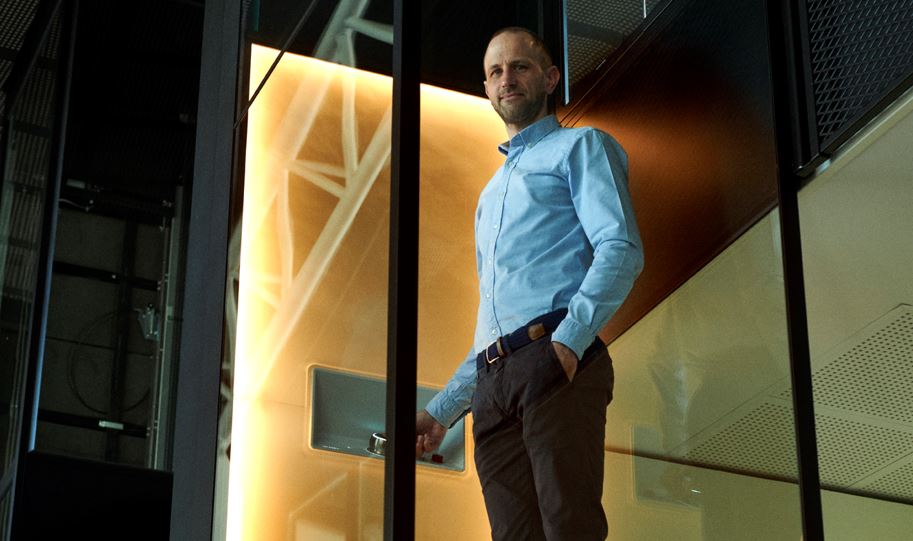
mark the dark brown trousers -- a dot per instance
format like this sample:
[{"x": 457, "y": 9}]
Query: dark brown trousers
[{"x": 539, "y": 444}]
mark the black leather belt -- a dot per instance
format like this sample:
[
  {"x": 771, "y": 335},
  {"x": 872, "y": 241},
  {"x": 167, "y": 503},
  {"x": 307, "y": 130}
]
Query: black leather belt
[{"x": 525, "y": 335}]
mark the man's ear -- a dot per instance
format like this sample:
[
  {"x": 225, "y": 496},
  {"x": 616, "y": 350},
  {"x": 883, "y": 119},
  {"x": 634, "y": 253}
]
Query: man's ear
[{"x": 552, "y": 75}]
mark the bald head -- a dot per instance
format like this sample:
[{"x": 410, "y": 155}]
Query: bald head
[
  {"x": 519, "y": 77},
  {"x": 542, "y": 54}
]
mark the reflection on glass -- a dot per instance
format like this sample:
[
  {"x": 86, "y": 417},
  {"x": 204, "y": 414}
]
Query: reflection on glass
[
  {"x": 858, "y": 258},
  {"x": 700, "y": 436}
]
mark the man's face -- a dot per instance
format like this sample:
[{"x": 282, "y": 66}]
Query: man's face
[{"x": 515, "y": 81}]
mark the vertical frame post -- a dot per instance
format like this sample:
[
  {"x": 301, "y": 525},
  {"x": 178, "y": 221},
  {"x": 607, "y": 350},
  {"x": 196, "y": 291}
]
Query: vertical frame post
[
  {"x": 199, "y": 367},
  {"x": 785, "y": 71},
  {"x": 402, "y": 327}
]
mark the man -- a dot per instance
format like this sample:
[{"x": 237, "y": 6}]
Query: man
[{"x": 557, "y": 251}]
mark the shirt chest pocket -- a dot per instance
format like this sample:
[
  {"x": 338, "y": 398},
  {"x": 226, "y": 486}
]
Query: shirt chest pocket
[{"x": 542, "y": 189}]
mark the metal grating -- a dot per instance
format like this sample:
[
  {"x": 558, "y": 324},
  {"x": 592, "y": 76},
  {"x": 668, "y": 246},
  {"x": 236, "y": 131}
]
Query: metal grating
[
  {"x": 585, "y": 55},
  {"x": 859, "y": 50},
  {"x": 620, "y": 15},
  {"x": 17, "y": 15},
  {"x": 596, "y": 28},
  {"x": 35, "y": 105},
  {"x": 27, "y": 169}
]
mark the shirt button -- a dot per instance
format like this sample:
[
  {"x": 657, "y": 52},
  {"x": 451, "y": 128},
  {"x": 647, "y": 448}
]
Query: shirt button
[
  {"x": 488, "y": 295},
  {"x": 489, "y": 261},
  {"x": 494, "y": 332}
]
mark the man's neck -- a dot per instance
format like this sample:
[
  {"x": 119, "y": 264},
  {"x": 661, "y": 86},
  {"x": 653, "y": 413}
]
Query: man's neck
[{"x": 514, "y": 129}]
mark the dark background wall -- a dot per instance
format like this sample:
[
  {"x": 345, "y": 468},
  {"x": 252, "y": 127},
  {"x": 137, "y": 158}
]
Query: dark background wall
[{"x": 691, "y": 103}]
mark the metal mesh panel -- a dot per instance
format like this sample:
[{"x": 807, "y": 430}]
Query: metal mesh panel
[
  {"x": 597, "y": 27},
  {"x": 17, "y": 15},
  {"x": 27, "y": 169},
  {"x": 859, "y": 50}
]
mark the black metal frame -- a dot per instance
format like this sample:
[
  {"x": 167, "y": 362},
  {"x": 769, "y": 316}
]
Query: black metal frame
[
  {"x": 122, "y": 331},
  {"x": 93, "y": 423},
  {"x": 402, "y": 327},
  {"x": 197, "y": 401},
  {"x": 552, "y": 27},
  {"x": 783, "y": 54},
  {"x": 806, "y": 151}
]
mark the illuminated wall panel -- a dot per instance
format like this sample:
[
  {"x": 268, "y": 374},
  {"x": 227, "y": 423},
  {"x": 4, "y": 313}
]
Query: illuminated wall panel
[{"x": 313, "y": 291}]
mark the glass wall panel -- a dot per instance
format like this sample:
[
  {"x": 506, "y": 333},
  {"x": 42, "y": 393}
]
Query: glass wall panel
[
  {"x": 459, "y": 152},
  {"x": 307, "y": 313},
  {"x": 322, "y": 337},
  {"x": 699, "y": 439},
  {"x": 858, "y": 261}
]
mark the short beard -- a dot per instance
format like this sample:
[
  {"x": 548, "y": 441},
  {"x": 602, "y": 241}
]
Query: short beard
[{"x": 523, "y": 115}]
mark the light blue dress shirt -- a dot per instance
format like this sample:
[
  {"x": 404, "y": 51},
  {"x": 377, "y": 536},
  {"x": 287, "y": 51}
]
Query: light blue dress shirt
[{"x": 554, "y": 228}]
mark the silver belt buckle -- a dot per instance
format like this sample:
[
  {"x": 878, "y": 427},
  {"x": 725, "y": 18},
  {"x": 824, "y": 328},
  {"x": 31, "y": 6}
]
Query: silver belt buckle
[{"x": 497, "y": 344}]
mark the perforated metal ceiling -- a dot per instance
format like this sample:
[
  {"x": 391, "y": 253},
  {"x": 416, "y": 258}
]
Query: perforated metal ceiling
[
  {"x": 898, "y": 483},
  {"x": 760, "y": 441},
  {"x": 874, "y": 377},
  {"x": 864, "y": 418}
]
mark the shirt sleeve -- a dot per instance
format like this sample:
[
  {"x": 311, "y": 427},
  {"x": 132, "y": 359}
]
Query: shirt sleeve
[
  {"x": 597, "y": 177},
  {"x": 452, "y": 403}
]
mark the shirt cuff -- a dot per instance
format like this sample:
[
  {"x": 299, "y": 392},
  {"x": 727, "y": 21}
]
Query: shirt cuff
[
  {"x": 573, "y": 335},
  {"x": 444, "y": 410}
]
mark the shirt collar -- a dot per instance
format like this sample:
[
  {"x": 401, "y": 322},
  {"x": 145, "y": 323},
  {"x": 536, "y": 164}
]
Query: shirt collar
[{"x": 531, "y": 134}]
